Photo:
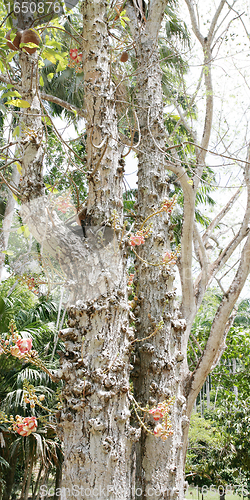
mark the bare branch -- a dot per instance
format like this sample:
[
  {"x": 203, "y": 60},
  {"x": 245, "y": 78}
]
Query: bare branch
[
  {"x": 63, "y": 104},
  {"x": 185, "y": 266},
  {"x": 214, "y": 21},
  {"x": 204, "y": 266},
  {"x": 220, "y": 216},
  {"x": 219, "y": 325},
  {"x": 223, "y": 345},
  {"x": 194, "y": 21}
]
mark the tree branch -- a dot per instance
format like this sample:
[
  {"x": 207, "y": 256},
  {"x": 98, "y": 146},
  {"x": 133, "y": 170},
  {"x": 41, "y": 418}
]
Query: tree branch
[
  {"x": 220, "y": 322},
  {"x": 46, "y": 97},
  {"x": 220, "y": 216},
  {"x": 156, "y": 12},
  {"x": 219, "y": 325},
  {"x": 204, "y": 267},
  {"x": 194, "y": 21},
  {"x": 63, "y": 104},
  {"x": 214, "y": 21}
]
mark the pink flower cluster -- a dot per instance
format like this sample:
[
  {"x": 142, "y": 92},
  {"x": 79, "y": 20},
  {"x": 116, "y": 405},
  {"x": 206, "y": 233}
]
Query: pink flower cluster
[
  {"x": 73, "y": 54},
  {"x": 16, "y": 346},
  {"x": 25, "y": 426},
  {"x": 21, "y": 347},
  {"x": 76, "y": 60},
  {"x": 169, "y": 258},
  {"x": 136, "y": 239},
  {"x": 130, "y": 279},
  {"x": 168, "y": 205},
  {"x": 164, "y": 429}
]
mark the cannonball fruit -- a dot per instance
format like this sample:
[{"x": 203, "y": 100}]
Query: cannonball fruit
[
  {"x": 30, "y": 36},
  {"x": 124, "y": 57},
  {"x": 14, "y": 45}
]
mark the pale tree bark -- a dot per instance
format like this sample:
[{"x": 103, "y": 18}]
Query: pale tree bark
[
  {"x": 95, "y": 421},
  {"x": 160, "y": 366},
  {"x": 7, "y": 220}
]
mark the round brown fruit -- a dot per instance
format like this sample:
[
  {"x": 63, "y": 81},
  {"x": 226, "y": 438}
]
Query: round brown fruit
[
  {"x": 14, "y": 44},
  {"x": 124, "y": 57},
  {"x": 30, "y": 36}
]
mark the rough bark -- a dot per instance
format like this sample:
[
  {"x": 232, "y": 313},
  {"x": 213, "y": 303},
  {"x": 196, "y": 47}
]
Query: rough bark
[
  {"x": 95, "y": 367},
  {"x": 31, "y": 149},
  {"x": 7, "y": 221},
  {"x": 160, "y": 365}
]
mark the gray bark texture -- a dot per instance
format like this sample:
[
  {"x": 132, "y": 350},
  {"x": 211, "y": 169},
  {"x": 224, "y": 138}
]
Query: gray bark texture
[
  {"x": 160, "y": 364},
  {"x": 95, "y": 421}
]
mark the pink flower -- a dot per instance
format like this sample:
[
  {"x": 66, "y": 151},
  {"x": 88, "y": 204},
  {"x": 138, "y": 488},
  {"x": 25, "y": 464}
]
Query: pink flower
[
  {"x": 167, "y": 256},
  {"x": 15, "y": 351},
  {"x": 1, "y": 350},
  {"x": 130, "y": 279},
  {"x": 168, "y": 205},
  {"x": 73, "y": 53},
  {"x": 136, "y": 239},
  {"x": 24, "y": 345},
  {"x": 25, "y": 426},
  {"x": 157, "y": 413},
  {"x": 79, "y": 58},
  {"x": 158, "y": 430}
]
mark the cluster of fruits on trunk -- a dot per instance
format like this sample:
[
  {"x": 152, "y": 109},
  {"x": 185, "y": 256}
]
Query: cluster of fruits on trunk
[{"x": 23, "y": 37}]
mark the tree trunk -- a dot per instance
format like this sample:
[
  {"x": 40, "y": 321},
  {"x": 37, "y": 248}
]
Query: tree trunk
[
  {"x": 160, "y": 364},
  {"x": 58, "y": 481},
  {"x": 29, "y": 475},
  {"x": 7, "y": 221},
  {"x": 95, "y": 367},
  {"x": 34, "y": 496}
]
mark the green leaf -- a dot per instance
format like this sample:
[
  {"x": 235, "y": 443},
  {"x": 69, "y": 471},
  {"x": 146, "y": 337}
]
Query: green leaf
[
  {"x": 51, "y": 188},
  {"x": 50, "y": 76},
  {"x": 3, "y": 109},
  {"x": 13, "y": 35},
  {"x": 12, "y": 93},
  {"x": 2, "y": 303},
  {"x": 46, "y": 120},
  {"x": 41, "y": 81},
  {"x": 30, "y": 45},
  {"x": 50, "y": 55},
  {"x": 9, "y": 23},
  {"x": 19, "y": 167},
  {"x": 62, "y": 65},
  {"x": 26, "y": 232},
  {"x": 19, "y": 103},
  {"x": 20, "y": 230},
  {"x": 10, "y": 56},
  {"x": 16, "y": 131}
]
